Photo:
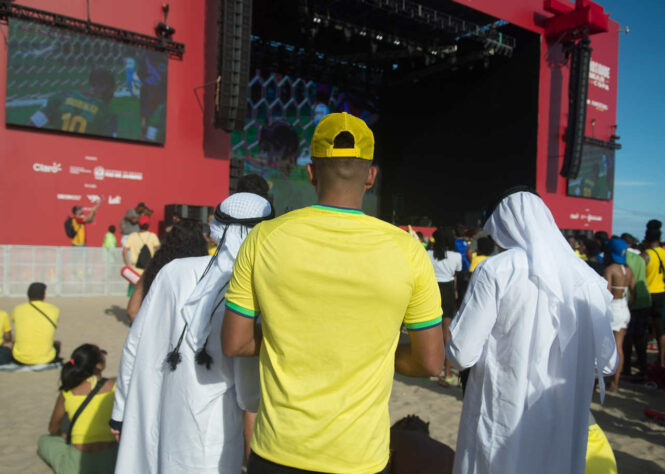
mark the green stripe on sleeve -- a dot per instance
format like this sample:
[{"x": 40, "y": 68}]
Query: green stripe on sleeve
[
  {"x": 424, "y": 325},
  {"x": 243, "y": 311}
]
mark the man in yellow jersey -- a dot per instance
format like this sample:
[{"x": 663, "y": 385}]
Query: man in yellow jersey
[
  {"x": 79, "y": 222},
  {"x": 654, "y": 255},
  {"x": 333, "y": 287},
  {"x": 34, "y": 327}
]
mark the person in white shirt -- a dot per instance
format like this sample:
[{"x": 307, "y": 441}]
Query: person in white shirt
[
  {"x": 447, "y": 263},
  {"x": 179, "y": 401},
  {"x": 534, "y": 328}
]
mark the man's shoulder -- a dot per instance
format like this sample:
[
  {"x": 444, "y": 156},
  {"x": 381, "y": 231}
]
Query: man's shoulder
[
  {"x": 508, "y": 260},
  {"x": 49, "y": 306}
]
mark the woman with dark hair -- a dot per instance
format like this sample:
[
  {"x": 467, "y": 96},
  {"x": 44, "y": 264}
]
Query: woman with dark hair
[
  {"x": 621, "y": 283},
  {"x": 87, "y": 399},
  {"x": 185, "y": 240},
  {"x": 447, "y": 262}
]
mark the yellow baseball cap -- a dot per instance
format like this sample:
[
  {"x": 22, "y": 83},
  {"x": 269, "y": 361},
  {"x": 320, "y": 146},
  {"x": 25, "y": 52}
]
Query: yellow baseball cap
[{"x": 332, "y": 125}]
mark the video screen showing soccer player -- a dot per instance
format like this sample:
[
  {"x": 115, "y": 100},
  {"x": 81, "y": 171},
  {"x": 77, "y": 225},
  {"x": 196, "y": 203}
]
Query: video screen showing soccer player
[
  {"x": 596, "y": 177},
  {"x": 282, "y": 113},
  {"x": 71, "y": 82}
]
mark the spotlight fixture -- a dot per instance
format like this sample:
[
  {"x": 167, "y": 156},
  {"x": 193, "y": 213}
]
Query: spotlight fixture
[{"x": 162, "y": 29}]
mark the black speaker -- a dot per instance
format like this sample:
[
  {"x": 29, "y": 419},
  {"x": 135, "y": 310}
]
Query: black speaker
[
  {"x": 233, "y": 60},
  {"x": 236, "y": 170},
  {"x": 577, "y": 96}
]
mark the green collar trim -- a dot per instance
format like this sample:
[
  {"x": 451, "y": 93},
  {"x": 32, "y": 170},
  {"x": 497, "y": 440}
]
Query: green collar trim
[{"x": 345, "y": 210}]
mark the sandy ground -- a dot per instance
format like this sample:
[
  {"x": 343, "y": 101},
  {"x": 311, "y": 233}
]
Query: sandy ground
[{"x": 26, "y": 399}]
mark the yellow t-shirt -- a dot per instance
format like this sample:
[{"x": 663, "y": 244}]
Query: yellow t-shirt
[
  {"x": 92, "y": 425},
  {"x": 79, "y": 228},
  {"x": 654, "y": 276},
  {"x": 135, "y": 243},
  {"x": 5, "y": 325},
  {"x": 333, "y": 287},
  {"x": 476, "y": 260},
  {"x": 33, "y": 334}
]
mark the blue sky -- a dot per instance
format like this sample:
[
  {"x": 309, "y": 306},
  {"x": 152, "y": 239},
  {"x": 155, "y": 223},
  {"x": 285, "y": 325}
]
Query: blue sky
[{"x": 640, "y": 165}]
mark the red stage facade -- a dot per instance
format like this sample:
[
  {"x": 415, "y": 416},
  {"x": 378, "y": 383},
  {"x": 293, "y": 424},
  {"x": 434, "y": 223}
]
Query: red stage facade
[{"x": 44, "y": 174}]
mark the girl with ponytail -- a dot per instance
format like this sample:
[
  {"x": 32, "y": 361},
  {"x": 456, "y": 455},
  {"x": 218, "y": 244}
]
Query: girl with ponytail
[{"x": 87, "y": 399}]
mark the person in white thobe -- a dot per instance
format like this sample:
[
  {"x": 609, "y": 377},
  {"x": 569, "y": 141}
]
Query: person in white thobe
[
  {"x": 176, "y": 413},
  {"x": 534, "y": 328}
]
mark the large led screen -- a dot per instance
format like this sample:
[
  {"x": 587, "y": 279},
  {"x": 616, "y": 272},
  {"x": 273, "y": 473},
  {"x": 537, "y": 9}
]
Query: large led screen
[
  {"x": 275, "y": 142},
  {"x": 71, "y": 82},
  {"x": 596, "y": 177}
]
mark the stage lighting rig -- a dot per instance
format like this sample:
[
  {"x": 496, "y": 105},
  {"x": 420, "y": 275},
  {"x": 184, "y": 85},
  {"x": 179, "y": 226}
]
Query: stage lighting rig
[{"x": 162, "y": 29}]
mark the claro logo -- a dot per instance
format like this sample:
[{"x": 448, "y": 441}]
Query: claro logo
[{"x": 42, "y": 168}]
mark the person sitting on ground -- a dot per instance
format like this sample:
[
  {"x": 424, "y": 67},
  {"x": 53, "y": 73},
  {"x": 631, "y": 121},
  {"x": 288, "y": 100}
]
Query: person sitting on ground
[
  {"x": 139, "y": 248},
  {"x": 185, "y": 240},
  {"x": 447, "y": 263},
  {"x": 6, "y": 331},
  {"x": 621, "y": 283},
  {"x": 413, "y": 451},
  {"x": 110, "y": 241},
  {"x": 34, "y": 328},
  {"x": 485, "y": 249},
  {"x": 88, "y": 446}
]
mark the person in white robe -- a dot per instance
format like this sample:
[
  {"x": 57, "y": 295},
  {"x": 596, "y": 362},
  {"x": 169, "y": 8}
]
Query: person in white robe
[
  {"x": 179, "y": 402},
  {"x": 534, "y": 328}
]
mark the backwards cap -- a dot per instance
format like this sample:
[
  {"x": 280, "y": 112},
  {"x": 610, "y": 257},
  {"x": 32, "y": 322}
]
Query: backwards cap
[{"x": 323, "y": 141}]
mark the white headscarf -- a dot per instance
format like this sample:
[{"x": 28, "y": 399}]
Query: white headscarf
[
  {"x": 210, "y": 290},
  {"x": 523, "y": 221}
]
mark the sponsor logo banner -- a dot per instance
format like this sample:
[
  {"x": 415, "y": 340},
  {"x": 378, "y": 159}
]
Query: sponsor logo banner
[
  {"x": 42, "y": 168},
  {"x": 69, "y": 197},
  {"x": 101, "y": 173}
]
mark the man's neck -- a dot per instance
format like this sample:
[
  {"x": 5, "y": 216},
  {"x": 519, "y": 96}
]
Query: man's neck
[{"x": 346, "y": 201}]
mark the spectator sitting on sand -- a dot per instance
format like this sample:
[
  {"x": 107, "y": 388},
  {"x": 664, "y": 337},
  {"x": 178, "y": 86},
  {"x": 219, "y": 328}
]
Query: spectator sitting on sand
[
  {"x": 414, "y": 452},
  {"x": 34, "y": 328},
  {"x": 6, "y": 333},
  {"x": 88, "y": 446}
]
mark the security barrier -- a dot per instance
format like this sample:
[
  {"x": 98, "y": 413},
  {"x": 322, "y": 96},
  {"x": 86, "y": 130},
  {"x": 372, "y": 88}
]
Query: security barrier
[{"x": 68, "y": 271}]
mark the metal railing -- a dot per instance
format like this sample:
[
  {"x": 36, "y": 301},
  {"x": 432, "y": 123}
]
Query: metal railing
[{"x": 68, "y": 271}]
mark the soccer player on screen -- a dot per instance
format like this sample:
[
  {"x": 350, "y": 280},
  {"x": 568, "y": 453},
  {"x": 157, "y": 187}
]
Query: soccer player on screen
[{"x": 84, "y": 111}]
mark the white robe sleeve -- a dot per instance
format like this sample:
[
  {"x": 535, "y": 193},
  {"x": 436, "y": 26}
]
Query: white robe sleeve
[
  {"x": 128, "y": 357},
  {"x": 247, "y": 383},
  {"x": 474, "y": 321}
]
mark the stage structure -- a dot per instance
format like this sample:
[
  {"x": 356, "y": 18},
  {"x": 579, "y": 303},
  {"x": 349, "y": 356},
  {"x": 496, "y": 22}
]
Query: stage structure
[{"x": 464, "y": 99}]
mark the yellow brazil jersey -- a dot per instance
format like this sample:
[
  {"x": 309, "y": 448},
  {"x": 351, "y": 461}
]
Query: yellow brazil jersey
[
  {"x": 33, "y": 334},
  {"x": 79, "y": 228},
  {"x": 333, "y": 287},
  {"x": 475, "y": 261},
  {"x": 92, "y": 425},
  {"x": 654, "y": 271},
  {"x": 5, "y": 325}
]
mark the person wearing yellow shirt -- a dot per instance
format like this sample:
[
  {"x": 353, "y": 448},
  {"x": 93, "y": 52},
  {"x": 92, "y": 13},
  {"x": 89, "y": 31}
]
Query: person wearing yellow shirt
[
  {"x": 88, "y": 446},
  {"x": 654, "y": 255},
  {"x": 333, "y": 287},
  {"x": 34, "y": 329},
  {"x": 6, "y": 330},
  {"x": 485, "y": 249},
  {"x": 79, "y": 222}
]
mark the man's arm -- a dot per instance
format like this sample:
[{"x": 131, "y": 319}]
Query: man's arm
[
  {"x": 241, "y": 336},
  {"x": 474, "y": 321},
  {"x": 424, "y": 356},
  {"x": 7, "y": 338},
  {"x": 91, "y": 217},
  {"x": 125, "y": 255}
]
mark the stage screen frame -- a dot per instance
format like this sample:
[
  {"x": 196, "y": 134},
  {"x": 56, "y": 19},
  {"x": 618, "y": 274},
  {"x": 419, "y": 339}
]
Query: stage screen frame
[{"x": 604, "y": 157}]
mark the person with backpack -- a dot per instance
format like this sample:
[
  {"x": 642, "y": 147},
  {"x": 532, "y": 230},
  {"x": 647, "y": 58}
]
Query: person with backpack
[
  {"x": 35, "y": 323},
  {"x": 75, "y": 225},
  {"x": 87, "y": 446},
  {"x": 654, "y": 256},
  {"x": 139, "y": 248}
]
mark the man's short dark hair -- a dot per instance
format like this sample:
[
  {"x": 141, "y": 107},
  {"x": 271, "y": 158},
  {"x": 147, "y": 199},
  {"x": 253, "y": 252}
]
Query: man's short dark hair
[
  {"x": 36, "y": 291},
  {"x": 75, "y": 209},
  {"x": 485, "y": 246},
  {"x": 459, "y": 230},
  {"x": 112, "y": 229},
  {"x": 253, "y": 183},
  {"x": 601, "y": 236}
]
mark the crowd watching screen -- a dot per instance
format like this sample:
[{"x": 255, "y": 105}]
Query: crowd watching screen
[
  {"x": 282, "y": 112},
  {"x": 596, "y": 177},
  {"x": 71, "y": 82}
]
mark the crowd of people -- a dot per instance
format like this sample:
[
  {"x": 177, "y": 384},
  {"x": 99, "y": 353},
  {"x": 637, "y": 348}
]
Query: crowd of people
[{"x": 278, "y": 351}]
